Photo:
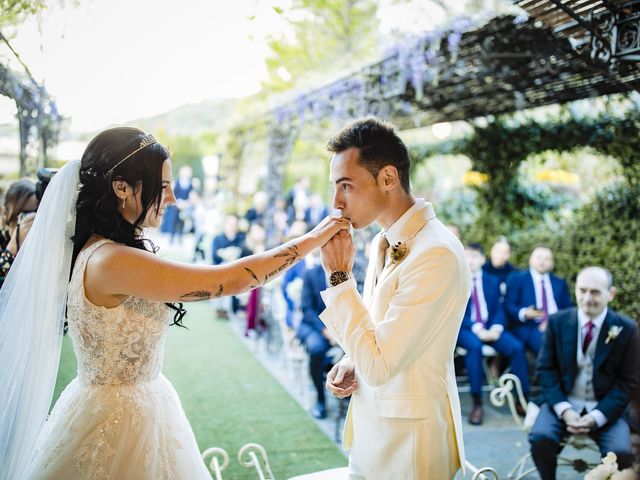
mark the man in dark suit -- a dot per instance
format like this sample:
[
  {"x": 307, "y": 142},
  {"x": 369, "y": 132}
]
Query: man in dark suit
[
  {"x": 484, "y": 323},
  {"x": 227, "y": 247},
  {"x": 316, "y": 211},
  {"x": 532, "y": 296},
  {"x": 313, "y": 334},
  {"x": 588, "y": 370},
  {"x": 498, "y": 264}
]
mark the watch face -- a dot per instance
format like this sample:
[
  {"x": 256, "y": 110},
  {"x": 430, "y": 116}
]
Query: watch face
[{"x": 337, "y": 278}]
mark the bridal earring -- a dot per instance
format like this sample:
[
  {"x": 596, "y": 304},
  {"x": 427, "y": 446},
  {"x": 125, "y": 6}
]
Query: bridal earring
[{"x": 124, "y": 202}]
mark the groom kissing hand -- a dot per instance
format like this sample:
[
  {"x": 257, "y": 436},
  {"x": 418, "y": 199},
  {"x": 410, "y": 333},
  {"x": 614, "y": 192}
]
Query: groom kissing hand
[
  {"x": 338, "y": 255},
  {"x": 399, "y": 337}
]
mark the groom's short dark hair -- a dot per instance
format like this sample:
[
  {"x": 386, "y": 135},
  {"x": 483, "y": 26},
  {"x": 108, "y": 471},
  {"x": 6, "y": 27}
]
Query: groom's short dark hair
[{"x": 378, "y": 146}]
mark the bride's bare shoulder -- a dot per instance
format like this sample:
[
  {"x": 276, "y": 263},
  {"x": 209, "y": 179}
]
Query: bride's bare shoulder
[{"x": 111, "y": 254}]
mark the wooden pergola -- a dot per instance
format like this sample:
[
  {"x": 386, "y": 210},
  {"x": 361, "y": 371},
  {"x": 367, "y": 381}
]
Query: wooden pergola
[{"x": 552, "y": 54}]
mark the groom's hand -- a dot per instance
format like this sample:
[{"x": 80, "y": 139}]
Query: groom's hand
[
  {"x": 339, "y": 253},
  {"x": 341, "y": 379}
]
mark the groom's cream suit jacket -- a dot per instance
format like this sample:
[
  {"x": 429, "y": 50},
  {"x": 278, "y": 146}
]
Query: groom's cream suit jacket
[{"x": 404, "y": 419}]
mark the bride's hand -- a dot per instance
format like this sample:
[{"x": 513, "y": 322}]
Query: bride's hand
[{"x": 328, "y": 228}]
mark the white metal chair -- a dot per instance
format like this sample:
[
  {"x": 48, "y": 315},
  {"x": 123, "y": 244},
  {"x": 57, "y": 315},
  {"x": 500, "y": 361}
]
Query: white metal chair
[
  {"x": 254, "y": 456},
  {"x": 488, "y": 353},
  {"x": 219, "y": 460},
  {"x": 509, "y": 391}
]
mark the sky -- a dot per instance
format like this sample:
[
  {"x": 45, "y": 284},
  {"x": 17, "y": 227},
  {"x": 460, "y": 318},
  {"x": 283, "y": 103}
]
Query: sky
[{"x": 111, "y": 61}]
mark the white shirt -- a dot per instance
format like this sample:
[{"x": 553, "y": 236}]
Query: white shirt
[
  {"x": 577, "y": 399},
  {"x": 484, "y": 310},
  {"x": 552, "y": 307}
]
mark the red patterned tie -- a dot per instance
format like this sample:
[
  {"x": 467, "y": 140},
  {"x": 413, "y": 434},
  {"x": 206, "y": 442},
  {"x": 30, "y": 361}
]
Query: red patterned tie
[
  {"x": 588, "y": 336},
  {"x": 476, "y": 301}
]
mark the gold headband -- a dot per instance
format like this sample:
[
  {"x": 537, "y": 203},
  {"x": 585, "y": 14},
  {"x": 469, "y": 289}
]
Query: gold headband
[{"x": 145, "y": 142}]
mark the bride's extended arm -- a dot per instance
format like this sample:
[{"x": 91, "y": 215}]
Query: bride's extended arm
[{"x": 115, "y": 270}]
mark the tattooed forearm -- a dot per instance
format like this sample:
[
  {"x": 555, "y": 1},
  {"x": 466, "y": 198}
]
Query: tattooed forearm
[
  {"x": 272, "y": 274},
  {"x": 219, "y": 293},
  {"x": 291, "y": 256},
  {"x": 255, "y": 277},
  {"x": 196, "y": 296}
]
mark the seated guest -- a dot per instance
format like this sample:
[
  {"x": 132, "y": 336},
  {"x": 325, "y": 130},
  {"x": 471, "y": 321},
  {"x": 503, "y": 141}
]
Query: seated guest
[
  {"x": 498, "y": 264},
  {"x": 316, "y": 211},
  {"x": 484, "y": 323},
  {"x": 292, "y": 280},
  {"x": 20, "y": 198},
  {"x": 227, "y": 247},
  {"x": 254, "y": 244},
  {"x": 17, "y": 217},
  {"x": 533, "y": 295},
  {"x": 313, "y": 334},
  {"x": 256, "y": 213},
  {"x": 588, "y": 371}
]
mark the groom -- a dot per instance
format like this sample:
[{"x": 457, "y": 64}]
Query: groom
[{"x": 404, "y": 417}]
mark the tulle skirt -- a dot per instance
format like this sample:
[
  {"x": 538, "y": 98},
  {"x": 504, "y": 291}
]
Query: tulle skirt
[{"x": 114, "y": 432}]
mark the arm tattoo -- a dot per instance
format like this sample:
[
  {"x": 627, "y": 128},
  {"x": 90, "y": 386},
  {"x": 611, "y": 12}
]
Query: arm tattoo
[
  {"x": 291, "y": 256},
  {"x": 255, "y": 277},
  {"x": 196, "y": 296},
  {"x": 218, "y": 294}
]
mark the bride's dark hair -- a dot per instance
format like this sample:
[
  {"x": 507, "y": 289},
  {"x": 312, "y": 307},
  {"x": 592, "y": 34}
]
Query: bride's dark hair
[{"x": 97, "y": 205}]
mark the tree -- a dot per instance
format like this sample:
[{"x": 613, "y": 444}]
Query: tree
[
  {"x": 327, "y": 35},
  {"x": 14, "y": 12}
]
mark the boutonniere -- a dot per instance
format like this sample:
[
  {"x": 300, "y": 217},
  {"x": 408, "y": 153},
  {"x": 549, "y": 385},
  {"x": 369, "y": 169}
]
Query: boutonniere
[
  {"x": 398, "y": 252},
  {"x": 613, "y": 333}
]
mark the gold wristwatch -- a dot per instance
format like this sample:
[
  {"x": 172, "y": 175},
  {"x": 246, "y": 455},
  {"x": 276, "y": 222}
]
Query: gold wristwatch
[{"x": 336, "y": 278}]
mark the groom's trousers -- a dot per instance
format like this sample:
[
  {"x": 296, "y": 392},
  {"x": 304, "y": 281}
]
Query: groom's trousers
[{"x": 354, "y": 471}]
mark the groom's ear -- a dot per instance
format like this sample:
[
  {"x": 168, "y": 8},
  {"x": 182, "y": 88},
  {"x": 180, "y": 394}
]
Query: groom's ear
[{"x": 388, "y": 177}]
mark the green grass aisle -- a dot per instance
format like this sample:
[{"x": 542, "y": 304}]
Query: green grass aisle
[{"x": 230, "y": 399}]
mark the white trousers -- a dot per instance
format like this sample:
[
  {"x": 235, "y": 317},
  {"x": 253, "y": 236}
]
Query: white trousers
[{"x": 354, "y": 471}]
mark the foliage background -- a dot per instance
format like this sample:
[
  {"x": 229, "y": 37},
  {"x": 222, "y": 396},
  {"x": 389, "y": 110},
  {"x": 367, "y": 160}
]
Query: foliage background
[{"x": 603, "y": 229}]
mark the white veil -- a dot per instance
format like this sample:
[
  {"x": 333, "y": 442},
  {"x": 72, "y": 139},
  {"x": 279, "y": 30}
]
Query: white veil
[{"x": 32, "y": 306}]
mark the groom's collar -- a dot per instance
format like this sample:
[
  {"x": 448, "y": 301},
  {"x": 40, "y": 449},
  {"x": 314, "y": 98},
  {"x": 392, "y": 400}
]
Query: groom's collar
[{"x": 410, "y": 221}]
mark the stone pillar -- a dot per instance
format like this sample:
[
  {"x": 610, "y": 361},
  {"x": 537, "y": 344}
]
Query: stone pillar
[{"x": 281, "y": 139}]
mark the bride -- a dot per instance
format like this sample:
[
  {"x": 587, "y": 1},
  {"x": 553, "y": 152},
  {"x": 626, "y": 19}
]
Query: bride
[{"x": 86, "y": 260}]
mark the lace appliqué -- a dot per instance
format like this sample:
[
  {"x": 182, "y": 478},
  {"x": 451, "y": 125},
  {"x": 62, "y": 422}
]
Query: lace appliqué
[{"x": 119, "y": 350}]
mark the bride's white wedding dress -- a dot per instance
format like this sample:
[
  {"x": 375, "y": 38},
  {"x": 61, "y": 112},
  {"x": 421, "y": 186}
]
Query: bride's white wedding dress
[{"x": 120, "y": 418}]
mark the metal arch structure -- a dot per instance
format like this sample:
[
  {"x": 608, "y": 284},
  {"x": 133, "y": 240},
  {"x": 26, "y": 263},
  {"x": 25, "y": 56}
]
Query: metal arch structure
[
  {"x": 503, "y": 65},
  {"x": 605, "y": 32},
  {"x": 37, "y": 114}
]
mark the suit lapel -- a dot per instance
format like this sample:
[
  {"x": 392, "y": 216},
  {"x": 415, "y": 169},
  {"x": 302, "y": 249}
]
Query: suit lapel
[
  {"x": 570, "y": 342},
  {"x": 602, "y": 348},
  {"x": 369, "y": 280},
  {"x": 417, "y": 221},
  {"x": 532, "y": 288}
]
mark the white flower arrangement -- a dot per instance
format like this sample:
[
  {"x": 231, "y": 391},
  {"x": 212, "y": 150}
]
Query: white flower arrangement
[
  {"x": 608, "y": 470},
  {"x": 613, "y": 333}
]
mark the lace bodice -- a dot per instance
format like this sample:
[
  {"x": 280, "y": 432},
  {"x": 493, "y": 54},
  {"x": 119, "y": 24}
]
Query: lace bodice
[{"x": 119, "y": 345}]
